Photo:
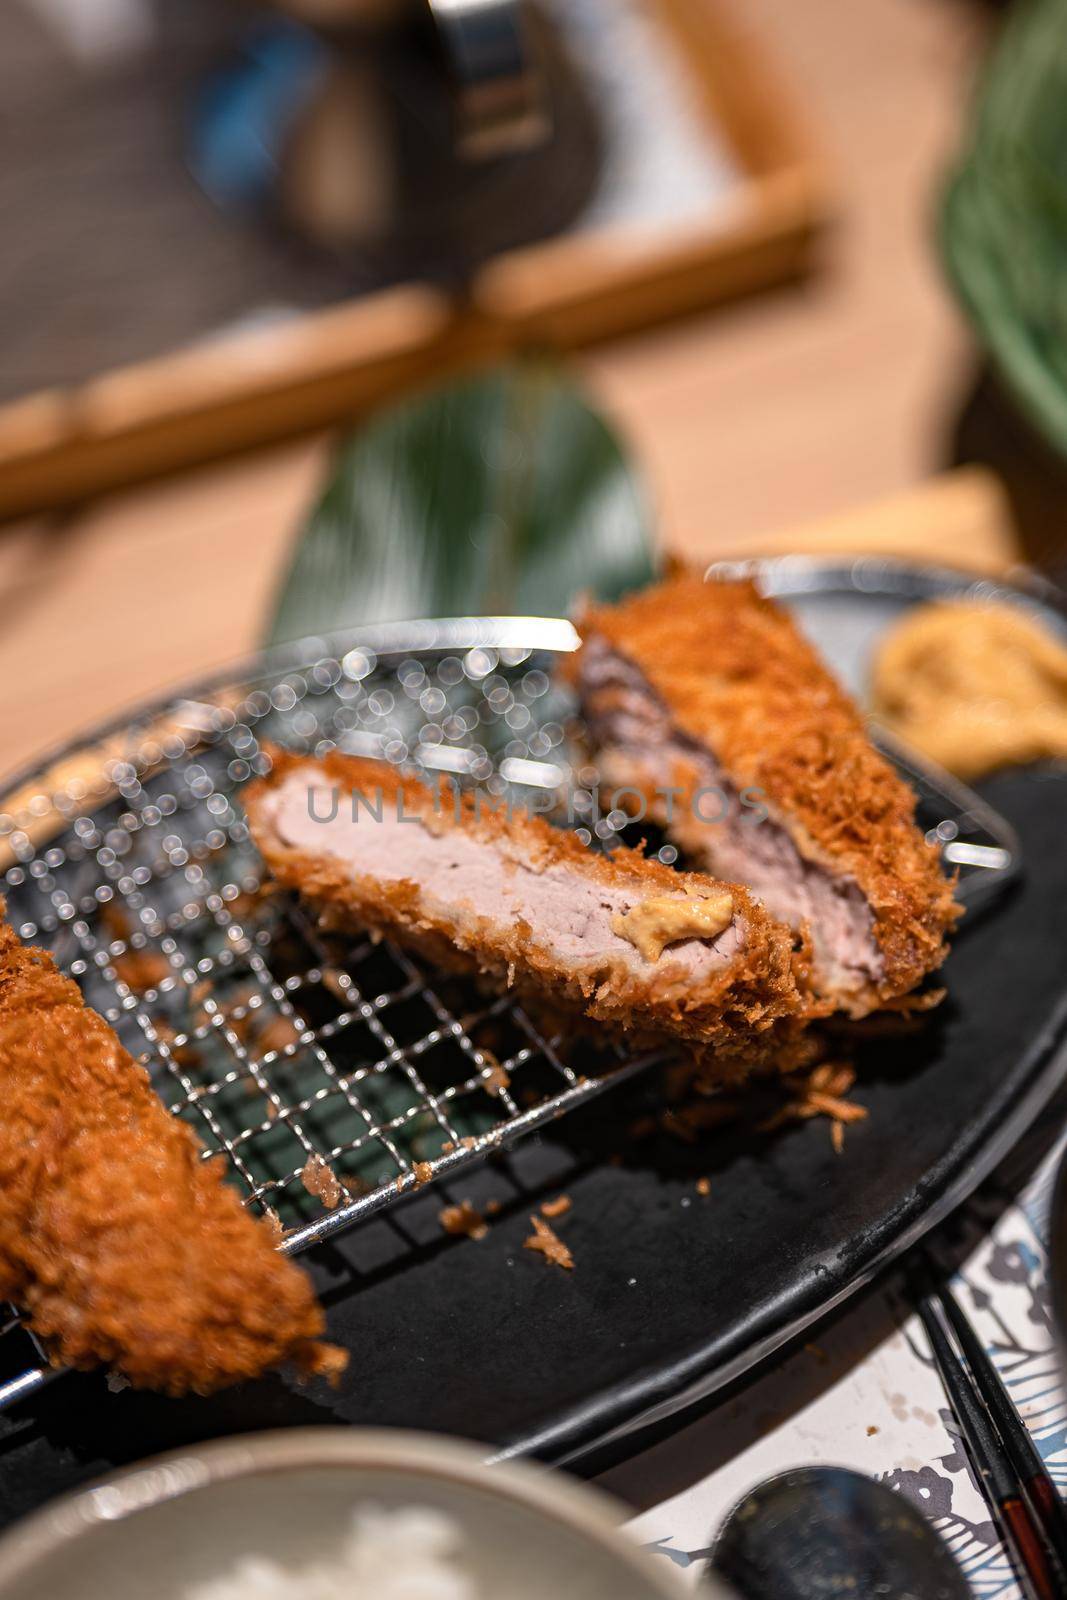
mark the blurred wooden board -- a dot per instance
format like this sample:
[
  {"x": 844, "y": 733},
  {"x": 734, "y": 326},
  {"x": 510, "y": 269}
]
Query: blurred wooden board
[
  {"x": 167, "y": 583},
  {"x": 962, "y": 519},
  {"x": 789, "y": 412},
  {"x": 61, "y": 446}
]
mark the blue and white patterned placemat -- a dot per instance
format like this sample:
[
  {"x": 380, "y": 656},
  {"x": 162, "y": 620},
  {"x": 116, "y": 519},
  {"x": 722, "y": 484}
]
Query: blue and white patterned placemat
[{"x": 864, "y": 1394}]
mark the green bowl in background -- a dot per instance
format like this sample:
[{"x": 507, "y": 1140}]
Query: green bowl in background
[{"x": 1004, "y": 217}]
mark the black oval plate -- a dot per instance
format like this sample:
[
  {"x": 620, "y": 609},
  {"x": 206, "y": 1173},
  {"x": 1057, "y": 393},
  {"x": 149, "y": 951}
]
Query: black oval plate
[{"x": 673, "y": 1294}]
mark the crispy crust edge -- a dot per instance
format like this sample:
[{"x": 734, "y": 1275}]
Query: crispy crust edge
[
  {"x": 736, "y": 674},
  {"x": 35, "y": 993},
  {"x": 738, "y": 1013}
]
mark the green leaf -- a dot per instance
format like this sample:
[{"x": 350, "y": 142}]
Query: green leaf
[
  {"x": 505, "y": 493},
  {"x": 1004, "y": 214}
]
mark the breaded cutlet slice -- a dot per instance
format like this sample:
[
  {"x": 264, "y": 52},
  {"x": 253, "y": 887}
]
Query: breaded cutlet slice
[
  {"x": 124, "y": 1247},
  {"x": 710, "y": 690},
  {"x": 622, "y": 941}
]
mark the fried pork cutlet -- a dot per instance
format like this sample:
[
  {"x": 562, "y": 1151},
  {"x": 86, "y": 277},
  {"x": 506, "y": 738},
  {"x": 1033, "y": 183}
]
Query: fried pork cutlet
[
  {"x": 706, "y": 698},
  {"x": 621, "y": 940},
  {"x": 124, "y": 1247}
]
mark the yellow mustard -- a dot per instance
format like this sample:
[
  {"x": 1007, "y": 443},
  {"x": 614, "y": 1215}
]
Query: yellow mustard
[
  {"x": 975, "y": 685},
  {"x": 665, "y": 919}
]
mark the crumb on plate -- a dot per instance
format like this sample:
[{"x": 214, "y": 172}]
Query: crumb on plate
[
  {"x": 549, "y": 1244},
  {"x": 820, "y": 1093},
  {"x": 463, "y": 1221}
]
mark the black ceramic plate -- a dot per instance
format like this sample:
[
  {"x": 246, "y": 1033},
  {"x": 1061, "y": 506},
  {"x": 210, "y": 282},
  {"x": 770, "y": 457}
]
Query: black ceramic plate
[{"x": 673, "y": 1293}]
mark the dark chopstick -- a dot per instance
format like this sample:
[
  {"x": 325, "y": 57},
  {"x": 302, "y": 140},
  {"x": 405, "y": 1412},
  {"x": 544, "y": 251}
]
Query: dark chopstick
[
  {"x": 1015, "y": 1435},
  {"x": 1001, "y": 1485}
]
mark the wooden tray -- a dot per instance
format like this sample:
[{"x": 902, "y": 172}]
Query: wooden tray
[{"x": 207, "y": 401}]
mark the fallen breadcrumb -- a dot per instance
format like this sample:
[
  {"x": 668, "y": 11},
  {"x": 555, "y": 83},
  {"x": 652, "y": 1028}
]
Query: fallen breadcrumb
[
  {"x": 273, "y": 1221},
  {"x": 496, "y": 1079},
  {"x": 820, "y": 1093},
  {"x": 549, "y": 1244},
  {"x": 558, "y": 1207},
  {"x": 814, "y": 1084},
  {"x": 141, "y": 970},
  {"x": 320, "y": 1180},
  {"x": 703, "y": 1187},
  {"x": 463, "y": 1221}
]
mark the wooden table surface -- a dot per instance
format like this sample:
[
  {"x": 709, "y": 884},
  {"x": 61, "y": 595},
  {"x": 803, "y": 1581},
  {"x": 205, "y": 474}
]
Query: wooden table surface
[{"x": 781, "y": 414}]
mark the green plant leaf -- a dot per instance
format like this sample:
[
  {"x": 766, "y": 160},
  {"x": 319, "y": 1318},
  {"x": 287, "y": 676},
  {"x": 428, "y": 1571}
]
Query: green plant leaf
[
  {"x": 502, "y": 494},
  {"x": 1003, "y": 227}
]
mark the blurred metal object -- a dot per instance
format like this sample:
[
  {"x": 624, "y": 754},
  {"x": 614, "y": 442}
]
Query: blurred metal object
[
  {"x": 501, "y": 104},
  {"x": 817, "y": 1533}
]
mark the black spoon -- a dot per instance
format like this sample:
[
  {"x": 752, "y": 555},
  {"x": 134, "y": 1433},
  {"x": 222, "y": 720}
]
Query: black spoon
[{"x": 822, "y": 1532}]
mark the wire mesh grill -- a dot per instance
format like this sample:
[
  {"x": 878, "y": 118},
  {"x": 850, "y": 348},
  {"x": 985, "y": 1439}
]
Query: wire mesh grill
[{"x": 333, "y": 1077}]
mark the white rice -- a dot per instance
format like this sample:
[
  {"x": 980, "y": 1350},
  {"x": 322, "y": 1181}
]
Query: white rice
[{"x": 411, "y": 1554}]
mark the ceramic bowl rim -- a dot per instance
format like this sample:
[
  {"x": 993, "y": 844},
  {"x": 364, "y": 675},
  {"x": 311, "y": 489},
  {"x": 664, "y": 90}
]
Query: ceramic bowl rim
[{"x": 585, "y": 1511}]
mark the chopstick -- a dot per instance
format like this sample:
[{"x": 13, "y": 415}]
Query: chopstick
[
  {"x": 1045, "y": 1498},
  {"x": 1030, "y": 1519}
]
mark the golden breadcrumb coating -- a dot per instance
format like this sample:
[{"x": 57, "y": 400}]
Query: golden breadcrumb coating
[
  {"x": 738, "y": 1010},
  {"x": 124, "y": 1247},
  {"x": 735, "y": 674}
]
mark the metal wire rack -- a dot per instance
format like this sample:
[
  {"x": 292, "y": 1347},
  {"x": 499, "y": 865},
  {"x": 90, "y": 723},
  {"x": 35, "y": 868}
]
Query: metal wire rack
[{"x": 334, "y": 1078}]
